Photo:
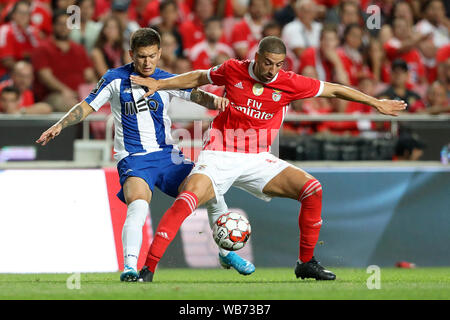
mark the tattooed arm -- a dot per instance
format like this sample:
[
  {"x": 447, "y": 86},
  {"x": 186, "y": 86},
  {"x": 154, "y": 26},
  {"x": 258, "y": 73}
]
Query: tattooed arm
[
  {"x": 75, "y": 115},
  {"x": 209, "y": 100}
]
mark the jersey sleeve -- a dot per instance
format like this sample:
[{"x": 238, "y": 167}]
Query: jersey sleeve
[
  {"x": 102, "y": 93},
  {"x": 217, "y": 75},
  {"x": 306, "y": 87},
  {"x": 181, "y": 93}
]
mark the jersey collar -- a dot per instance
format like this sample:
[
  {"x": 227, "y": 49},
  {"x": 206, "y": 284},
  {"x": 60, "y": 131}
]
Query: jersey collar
[{"x": 252, "y": 74}]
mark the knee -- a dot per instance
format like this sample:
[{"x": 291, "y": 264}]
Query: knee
[
  {"x": 201, "y": 187},
  {"x": 311, "y": 188},
  {"x": 137, "y": 212}
]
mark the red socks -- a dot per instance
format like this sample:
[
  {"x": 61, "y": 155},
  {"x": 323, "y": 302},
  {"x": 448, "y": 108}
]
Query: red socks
[
  {"x": 309, "y": 219},
  {"x": 184, "y": 205}
]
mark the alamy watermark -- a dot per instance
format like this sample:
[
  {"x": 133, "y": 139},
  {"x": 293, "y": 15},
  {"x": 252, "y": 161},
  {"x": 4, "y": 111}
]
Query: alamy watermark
[
  {"x": 73, "y": 282},
  {"x": 374, "y": 280},
  {"x": 74, "y": 20},
  {"x": 374, "y": 20}
]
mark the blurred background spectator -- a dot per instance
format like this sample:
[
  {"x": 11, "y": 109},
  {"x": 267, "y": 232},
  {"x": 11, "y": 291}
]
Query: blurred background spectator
[
  {"x": 108, "y": 52},
  {"x": 203, "y": 55},
  {"x": 18, "y": 37},
  {"x": 303, "y": 32},
  {"x": 10, "y": 103},
  {"x": 409, "y": 147},
  {"x": 398, "y": 90},
  {"x": 406, "y": 57},
  {"x": 248, "y": 31},
  {"x": 61, "y": 67},
  {"x": 87, "y": 33}
]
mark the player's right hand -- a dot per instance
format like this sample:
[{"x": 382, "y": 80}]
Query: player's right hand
[
  {"x": 49, "y": 134},
  {"x": 150, "y": 83}
]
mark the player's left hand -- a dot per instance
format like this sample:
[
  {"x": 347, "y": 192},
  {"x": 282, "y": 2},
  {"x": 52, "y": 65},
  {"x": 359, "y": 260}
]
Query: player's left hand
[
  {"x": 221, "y": 103},
  {"x": 150, "y": 83},
  {"x": 390, "y": 107}
]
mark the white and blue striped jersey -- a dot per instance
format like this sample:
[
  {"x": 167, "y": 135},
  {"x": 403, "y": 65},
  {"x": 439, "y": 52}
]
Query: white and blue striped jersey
[{"x": 141, "y": 127}]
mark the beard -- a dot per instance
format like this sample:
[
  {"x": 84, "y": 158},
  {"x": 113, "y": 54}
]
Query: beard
[{"x": 61, "y": 37}]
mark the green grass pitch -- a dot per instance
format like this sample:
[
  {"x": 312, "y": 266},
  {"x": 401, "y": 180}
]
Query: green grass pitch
[{"x": 218, "y": 284}]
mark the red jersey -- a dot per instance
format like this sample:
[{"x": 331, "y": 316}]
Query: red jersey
[
  {"x": 245, "y": 34},
  {"x": 48, "y": 55},
  {"x": 412, "y": 58},
  {"x": 17, "y": 43},
  {"x": 26, "y": 97},
  {"x": 256, "y": 111},
  {"x": 202, "y": 55}
]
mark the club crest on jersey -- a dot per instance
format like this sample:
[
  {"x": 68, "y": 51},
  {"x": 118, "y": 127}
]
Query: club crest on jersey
[
  {"x": 258, "y": 89},
  {"x": 276, "y": 95}
]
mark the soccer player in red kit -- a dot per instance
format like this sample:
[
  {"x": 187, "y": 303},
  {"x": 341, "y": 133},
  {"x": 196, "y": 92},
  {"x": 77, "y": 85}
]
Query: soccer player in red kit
[{"x": 237, "y": 151}]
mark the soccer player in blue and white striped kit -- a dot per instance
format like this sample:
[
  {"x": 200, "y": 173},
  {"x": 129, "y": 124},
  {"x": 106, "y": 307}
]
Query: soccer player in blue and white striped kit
[{"x": 143, "y": 145}]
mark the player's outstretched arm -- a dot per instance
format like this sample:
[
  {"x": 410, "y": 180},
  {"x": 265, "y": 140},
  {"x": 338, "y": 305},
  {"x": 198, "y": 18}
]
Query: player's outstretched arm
[
  {"x": 384, "y": 106},
  {"x": 186, "y": 80},
  {"x": 209, "y": 100},
  {"x": 75, "y": 115}
]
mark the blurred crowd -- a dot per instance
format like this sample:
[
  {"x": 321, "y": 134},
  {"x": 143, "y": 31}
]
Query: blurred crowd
[{"x": 53, "y": 52}]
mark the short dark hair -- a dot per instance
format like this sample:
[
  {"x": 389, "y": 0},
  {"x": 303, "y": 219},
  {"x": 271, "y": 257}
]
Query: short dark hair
[
  {"x": 145, "y": 37},
  {"x": 212, "y": 19},
  {"x": 58, "y": 13},
  {"x": 11, "y": 89},
  {"x": 328, "y": 28},
  {"x": 271, "y": 44},
  {"x": 399, "y": 64},
  {"x": 166, "y": 3}
]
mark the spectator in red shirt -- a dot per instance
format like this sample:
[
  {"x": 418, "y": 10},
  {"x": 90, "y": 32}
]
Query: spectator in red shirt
[
  {"x": 204, "y": 54},
  {"x": 40, "y": 15},
  {"x": 61, "y": 67},
  {"x": 192, "y": 31},
  {"x": 377, "y": 62},
  {"x": 168, "y": 23},
  {"x": 17, "y": 38},
  {"x": 312, "y": 106},
  {"x": 401, "y": 9},
  {"x": 325, "y": 59},
  {"x": 349, "y": 13},
  {"x": 248, "y": 31},
  {"x": 404, "y": 45},
  {"x": 350, "y": 52},
  {"x": 21, "y": 78},
  {"x": 153, "y": 14},
  {"x": 366, "y": 84},
  {"x": 443, "y": 70},
  {"x": 437, "y": 101},
  {"x": 10, "y": 103}
]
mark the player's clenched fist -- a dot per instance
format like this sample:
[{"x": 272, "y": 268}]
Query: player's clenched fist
[{"x": 49, "y": 134}]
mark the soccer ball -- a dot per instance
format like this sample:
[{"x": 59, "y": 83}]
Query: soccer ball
[{"x": 231, "y": 231}]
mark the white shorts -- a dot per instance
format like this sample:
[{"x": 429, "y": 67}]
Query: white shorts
[{"x": 248, "y": 171}]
